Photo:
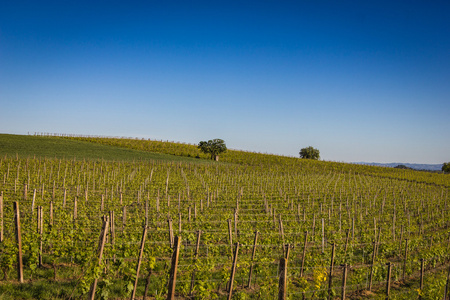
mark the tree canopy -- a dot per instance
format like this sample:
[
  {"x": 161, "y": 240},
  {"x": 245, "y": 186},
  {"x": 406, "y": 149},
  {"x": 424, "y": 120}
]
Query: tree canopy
[
  {"x": 309, "y": 153},
  {"x": 446, "y": 167},
  {"x": 213, "y": 147}
]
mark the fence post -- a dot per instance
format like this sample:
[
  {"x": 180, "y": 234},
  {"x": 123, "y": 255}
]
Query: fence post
[
  {"x": 282, "y": 284},
  {"x": 388, "y": 281},
  {"x": 233, "y": 271},
  {"x": 19, "y": 242},
  {"x": 447, "y": 285},
  {"x": 32, "y": 204},
  {"x": 141, "y": 251},
  {"x": 235, "y": 224},
  {"x": 197, "y": 246},
  {"x": 41, "y": 231},
  {"x": 281, "y": 229},
  {"x": 304, "y": 253},
  {"x": 253, "y": 258},
  {"x": 405, "y": 259},
  {"x": 171, "y": 238},
  {"x": 173, "y": 269},
  {"x": 51, "y": 213},
  {"x": 421, "y": 277},
  {"x": 230, "y": 234},
  {"x": 124, "y": 218},
  {"x": 346, "y": 240},
  {"x": 344, "y": 280},
  {"x": 323, "y": 235},
  {"x": 101, "y": 246},
  {"x": 112, "y": 227},
  {"x": 75, "y": 209},
  {"x": 371, "y": 267},
  {"x": 330, "y": 281}
]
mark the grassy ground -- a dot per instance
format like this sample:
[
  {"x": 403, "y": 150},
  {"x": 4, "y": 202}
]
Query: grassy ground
[{"x": 28, "y": 145}]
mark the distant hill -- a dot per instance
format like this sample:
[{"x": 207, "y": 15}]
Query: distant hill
[{"x": 428, "y": 167}]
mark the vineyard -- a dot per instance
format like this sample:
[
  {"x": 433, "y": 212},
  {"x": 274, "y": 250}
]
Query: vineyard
[{"x": 252, "y": 226}]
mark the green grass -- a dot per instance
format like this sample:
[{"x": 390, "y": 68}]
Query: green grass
[{"x": 28, "y": 145}]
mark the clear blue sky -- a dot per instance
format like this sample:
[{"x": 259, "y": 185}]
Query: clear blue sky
[{"x": 359, "y": 80}]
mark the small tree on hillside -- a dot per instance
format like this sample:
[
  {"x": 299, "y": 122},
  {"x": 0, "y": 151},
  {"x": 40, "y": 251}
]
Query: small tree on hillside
[
  {"x": 213, "y": 147},
  {"x": 309, "y": 153},
  {"x": 446, "y": 167}
]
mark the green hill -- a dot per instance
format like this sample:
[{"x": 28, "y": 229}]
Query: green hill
[
  {"x": 45, "y": 146},
  {"x": 127, "y": 149}
]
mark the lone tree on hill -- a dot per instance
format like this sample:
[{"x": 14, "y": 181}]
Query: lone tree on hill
[
  {"x": 213, "y": 147},
  {"x": 309, "y": 153},
  {"x": 446, "y": 167}
]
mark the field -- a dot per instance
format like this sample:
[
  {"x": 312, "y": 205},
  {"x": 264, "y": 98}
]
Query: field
[{"x": 120, "y": 214}]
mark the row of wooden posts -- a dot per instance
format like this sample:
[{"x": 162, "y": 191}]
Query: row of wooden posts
[{"x": 283, "y": 266}]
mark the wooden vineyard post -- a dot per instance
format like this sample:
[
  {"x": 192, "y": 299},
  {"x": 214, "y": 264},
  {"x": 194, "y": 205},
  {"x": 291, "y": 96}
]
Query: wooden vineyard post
[
  {"x": 32, "y": 203},
  {"x": 393, "y": 227},
  {"x": 112, "y": 227},
  {"x": 344, "y": 280},
  {"x": 230, "y": 234},
  {"x": 141, "y": 251},
  {"x": 146, "y": 209},
  {"x": 51, "y": 213},
  {"x": 40, "y": 231},
  {"x": 323, "y": 235},
  {"x": 405, "y": 259},
  {"x": 25, "y": 191},
  {"x": 124, "y": 218},
  {"x": 19, "y": 242},
  {"x": 421, "y": 276},
  {"x": 253, "y": 258},
  {"x": 195, "y": 211},
  {"x": 447, "y": 285},
  {"x": 173, "y": 269},
  {"x": 157, "y": 203},
  {"x": 314, "y": 227},
  {"x": 1, "y": 217},
  {"x": 371, "y": 267},
  {"x": 235, "y": 223},
  {"x": 346, "y": 240},
  {"x": 281, "y": 228},
  {"x": 282, "y": 284},
  {"x": 304, "y": 254},
  {"x": 101, "y": 246},
  {"x": 64, "y": 197},
  {"x": 171, "y": 239},
  {"x": 379, "y": 239},
  {"x": 197, "y": 246},
  {"x": 233, "y": 271},
  {"x": 388, "y": 281},
  {"x": 38, "y": 219},
  {"x": 75, "y": 209},
  {"x": 353, "y": 229},
  {"x": 330, "y": 279}
]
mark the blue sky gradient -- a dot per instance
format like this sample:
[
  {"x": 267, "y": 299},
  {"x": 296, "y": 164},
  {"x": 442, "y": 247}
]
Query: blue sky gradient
[{"x": 359, "y": 80}]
